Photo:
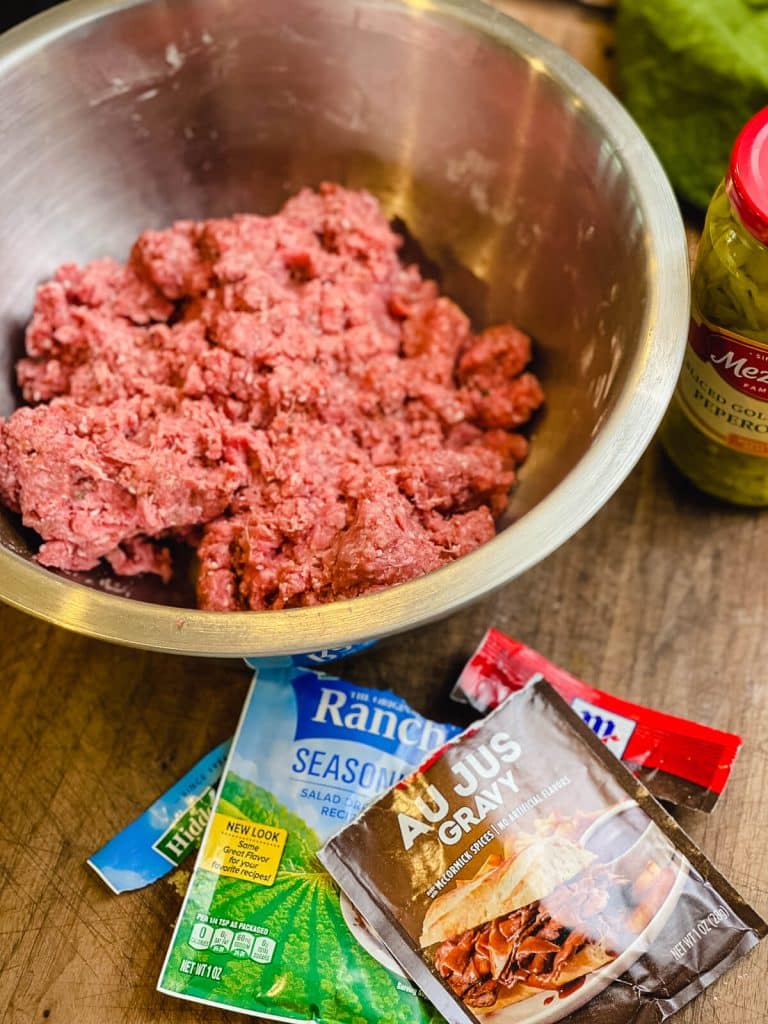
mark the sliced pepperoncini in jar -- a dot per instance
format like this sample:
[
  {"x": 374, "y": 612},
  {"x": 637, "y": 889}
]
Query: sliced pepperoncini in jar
[{"x": 716, "y": 428}]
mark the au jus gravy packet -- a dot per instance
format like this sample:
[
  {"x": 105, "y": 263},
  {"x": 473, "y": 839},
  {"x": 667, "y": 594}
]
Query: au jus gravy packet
[{"x": 522, "y": 875}]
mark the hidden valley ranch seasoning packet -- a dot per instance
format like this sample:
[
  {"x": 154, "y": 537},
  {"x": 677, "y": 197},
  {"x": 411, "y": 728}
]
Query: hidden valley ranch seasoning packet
[
  {"x": 169, "y": 831},
  {"x": 166, "y": 833},
  {"x": 522, "y": 875},
  {"x": 264, "y": 928}
]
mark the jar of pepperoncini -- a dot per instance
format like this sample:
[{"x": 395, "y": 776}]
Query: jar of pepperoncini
[{"x": 716, "y": 428}]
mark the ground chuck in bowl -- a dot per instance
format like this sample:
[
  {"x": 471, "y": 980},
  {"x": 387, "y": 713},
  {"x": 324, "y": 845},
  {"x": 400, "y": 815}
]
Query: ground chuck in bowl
[{"x": 280, "y": 392}]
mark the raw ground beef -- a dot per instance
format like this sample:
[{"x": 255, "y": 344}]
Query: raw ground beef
[{"x": 281, "y": 393}]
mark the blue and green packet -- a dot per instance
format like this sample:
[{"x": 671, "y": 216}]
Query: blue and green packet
[
  {"x": 263, "y": 929},
  {"x": 161, "y": 838},
  {"x": 166, "y": 833}
]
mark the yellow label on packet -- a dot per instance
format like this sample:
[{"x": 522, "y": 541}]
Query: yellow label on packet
[{"x": 244, "y": 849}]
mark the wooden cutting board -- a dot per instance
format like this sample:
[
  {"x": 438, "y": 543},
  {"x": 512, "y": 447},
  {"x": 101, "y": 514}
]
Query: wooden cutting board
[{"x": 662, "y": 598}]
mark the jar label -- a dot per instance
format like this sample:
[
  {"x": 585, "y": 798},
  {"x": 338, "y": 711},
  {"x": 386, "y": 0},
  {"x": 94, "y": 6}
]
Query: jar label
[{"x": 723, "y": 387}]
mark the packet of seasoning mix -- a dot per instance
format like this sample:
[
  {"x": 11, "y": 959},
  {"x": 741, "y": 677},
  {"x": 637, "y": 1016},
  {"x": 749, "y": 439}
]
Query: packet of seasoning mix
[
  {"x": 263, "y": 928},
  {"x": 523, "y": 874},
  {"x": 166, "y": 833},
  {"x": 682, "y": 762},
  {"x": 314, "y": 658},
  {"x": 161, "y": 838}
]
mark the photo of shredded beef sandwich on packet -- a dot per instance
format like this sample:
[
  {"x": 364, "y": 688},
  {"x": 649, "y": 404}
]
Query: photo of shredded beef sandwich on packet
[
  {"x": 264, "y": 928},
  {"x": 522, "y": 875},
  {"x": 682, "y": 762}
]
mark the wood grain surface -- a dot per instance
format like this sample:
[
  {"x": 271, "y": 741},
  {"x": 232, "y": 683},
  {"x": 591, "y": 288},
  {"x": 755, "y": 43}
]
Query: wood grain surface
[{"x": 662, "y": 598}]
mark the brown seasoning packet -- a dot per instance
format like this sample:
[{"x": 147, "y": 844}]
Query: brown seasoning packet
[{"x": 523, "y": 875}]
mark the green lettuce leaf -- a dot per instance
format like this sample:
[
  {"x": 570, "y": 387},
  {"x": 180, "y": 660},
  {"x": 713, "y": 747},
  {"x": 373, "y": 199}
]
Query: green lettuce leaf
[{"x": 692, "y": 73}]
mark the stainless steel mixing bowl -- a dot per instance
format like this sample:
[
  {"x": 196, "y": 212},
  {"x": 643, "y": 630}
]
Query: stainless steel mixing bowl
[{"x": 525, "y": 183}]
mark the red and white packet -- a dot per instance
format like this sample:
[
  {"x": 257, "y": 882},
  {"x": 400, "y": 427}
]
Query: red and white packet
[{"x": 681, "y": 762}]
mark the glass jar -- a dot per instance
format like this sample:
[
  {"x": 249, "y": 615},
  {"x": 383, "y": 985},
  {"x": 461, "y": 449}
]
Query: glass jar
[{"x": 716, "y": 428}]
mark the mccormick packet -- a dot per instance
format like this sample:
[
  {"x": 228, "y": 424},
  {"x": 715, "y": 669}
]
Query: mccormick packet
[
  {"x": 263, "y": 928},
  {"x": 523, "y": 874},
  {"x": 165, "y": 834},
  {"x": 682, "y": 762}
]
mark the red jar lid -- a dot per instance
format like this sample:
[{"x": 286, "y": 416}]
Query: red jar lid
[{"x": 747, "y": 178}]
